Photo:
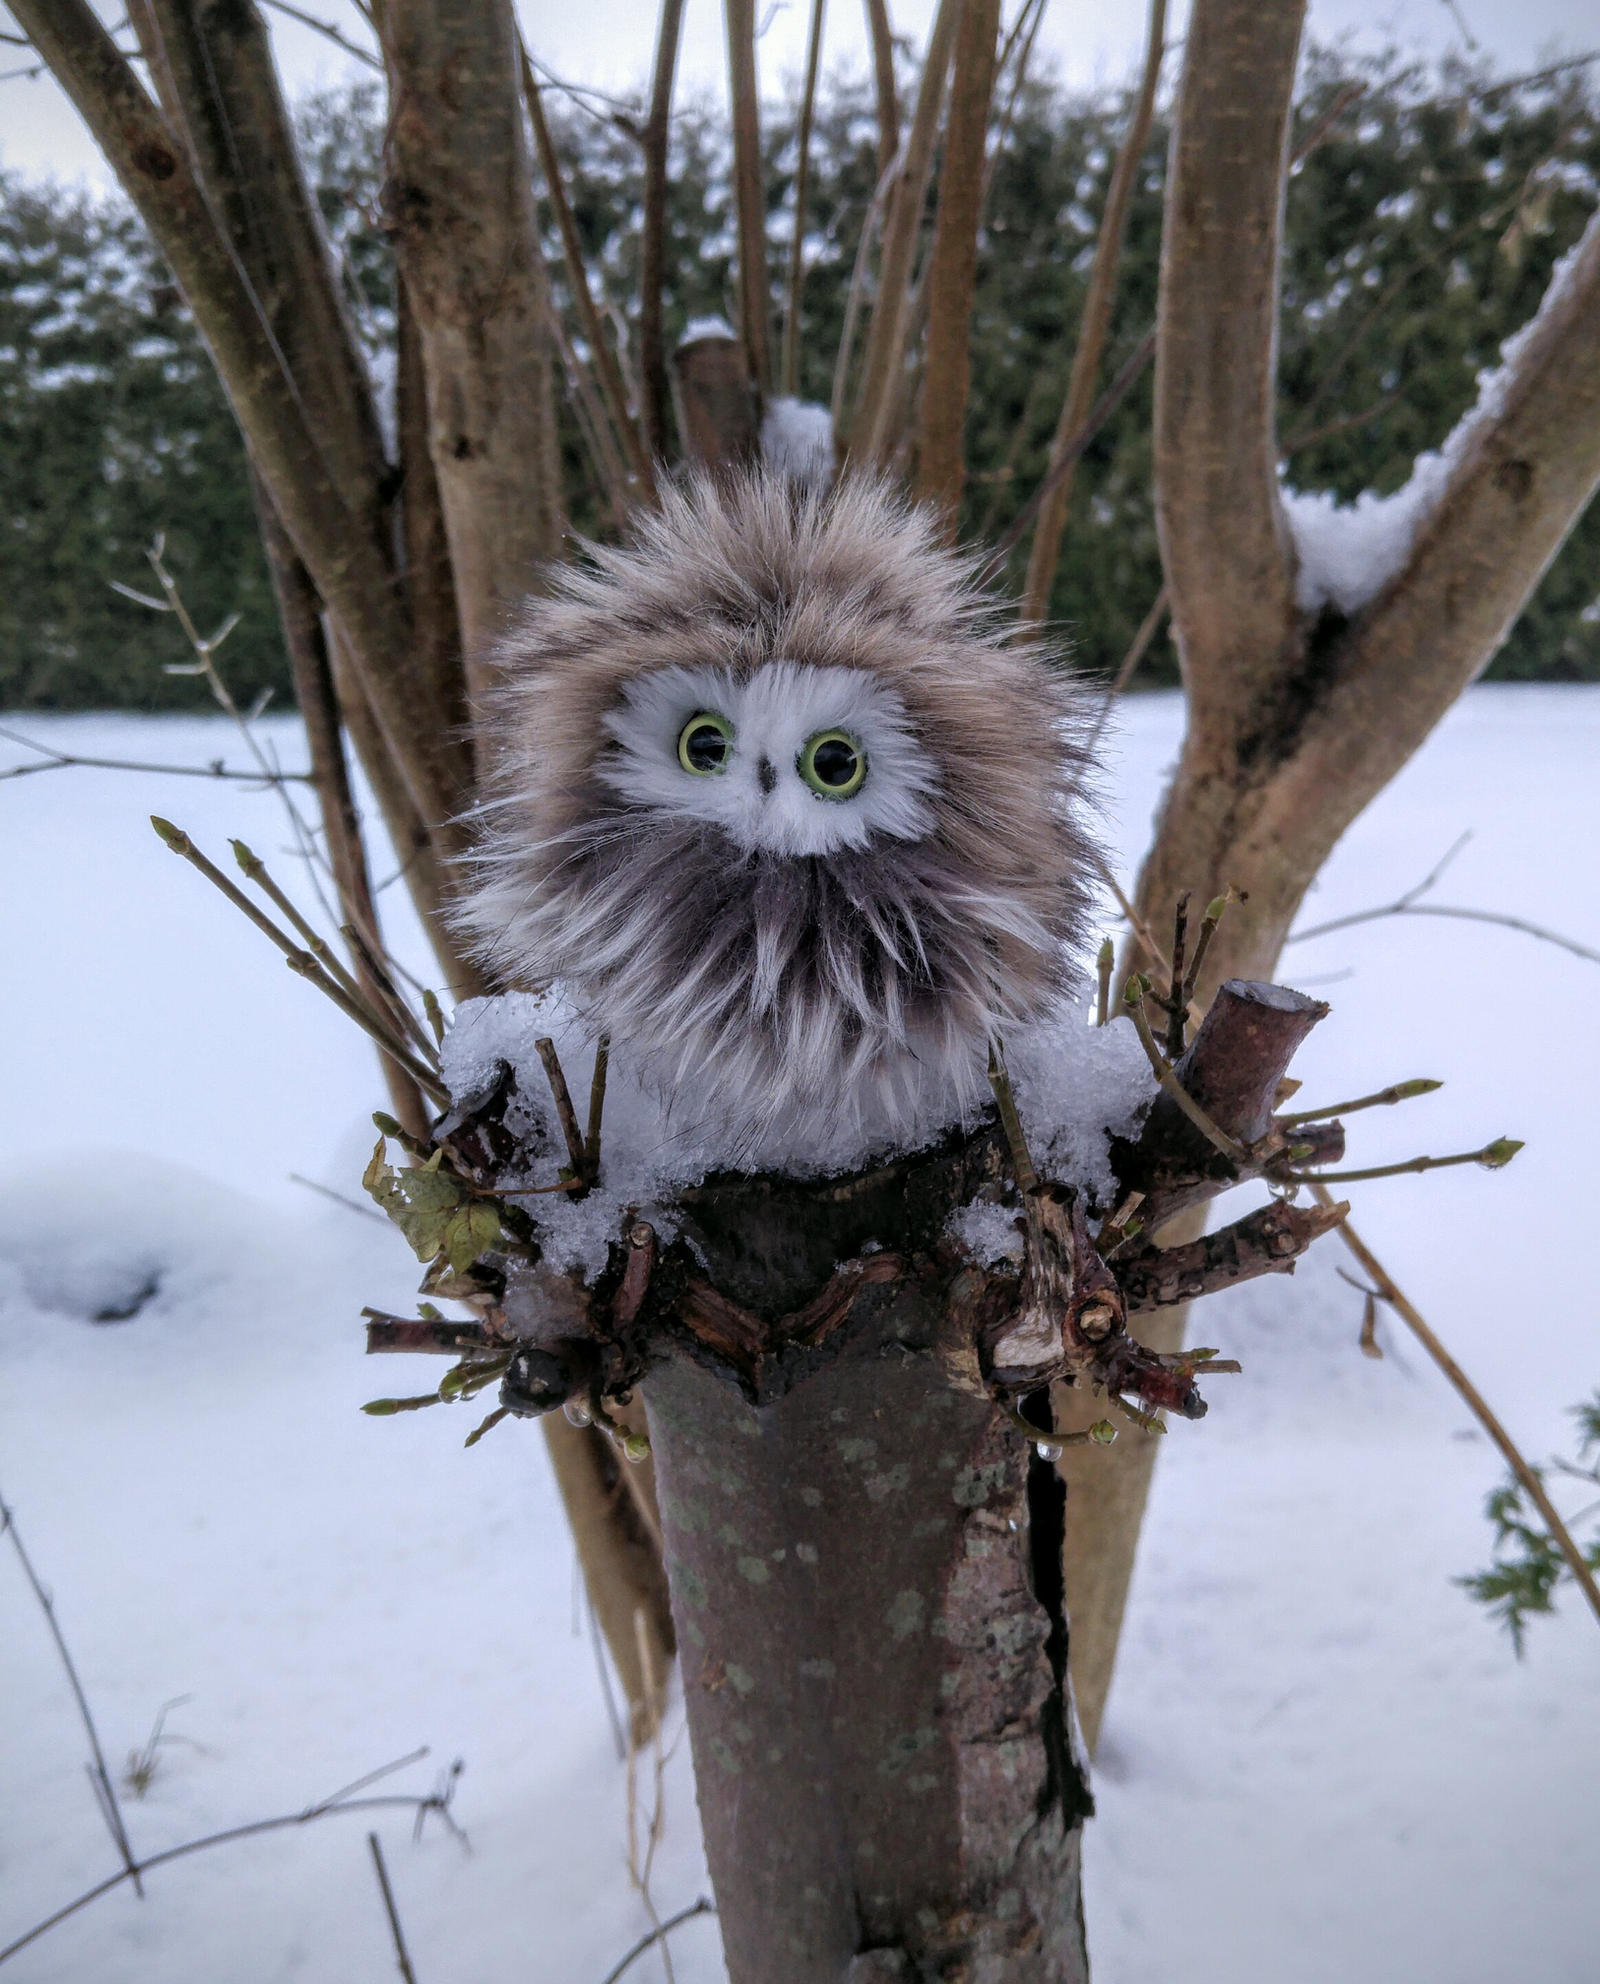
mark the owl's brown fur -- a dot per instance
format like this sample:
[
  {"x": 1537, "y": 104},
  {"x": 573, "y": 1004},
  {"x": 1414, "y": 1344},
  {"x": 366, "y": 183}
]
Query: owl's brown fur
[{"x": 866, "y": 979}]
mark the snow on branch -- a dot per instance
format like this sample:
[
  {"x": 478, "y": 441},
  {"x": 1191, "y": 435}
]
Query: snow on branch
[{"x": 1347, "y": 553}]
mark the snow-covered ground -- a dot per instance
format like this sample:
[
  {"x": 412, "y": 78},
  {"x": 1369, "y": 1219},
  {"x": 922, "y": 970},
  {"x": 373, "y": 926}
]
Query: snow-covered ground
[{"x": 1320, "y": 1760}]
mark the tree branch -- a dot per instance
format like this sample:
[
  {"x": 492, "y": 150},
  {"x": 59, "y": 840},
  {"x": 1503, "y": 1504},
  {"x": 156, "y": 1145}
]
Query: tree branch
[
  {"x": 1527, "y": 1477},
  {"x": 1095, "y": 324},
  {"x": 349, "y": 571},
  {"x": 460, "y": 197},
  {"x": 953, "y": 267},
  {"x": 883, "y": 82},
  {"x": 749, "y": 193},
  {"x": 214, "y": 71},
  {"x": 874, "y": 427},
  {"x": 608, "y": 371},
  {"x": 1267, "y": 1241},
  {"x": 653, "y": 240},
  {"x": 790, "y": 369},
  {"x": 1224, "y": 541},
  {"x": 1527, "y": 471}
]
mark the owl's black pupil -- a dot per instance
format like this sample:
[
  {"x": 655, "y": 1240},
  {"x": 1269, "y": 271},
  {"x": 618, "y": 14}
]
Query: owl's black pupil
[
  {"x": 705, "y": 747},
  {"x": 834, "y": 761}
]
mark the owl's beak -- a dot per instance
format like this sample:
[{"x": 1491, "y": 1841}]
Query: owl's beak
[{"x": 766, "y": 777}]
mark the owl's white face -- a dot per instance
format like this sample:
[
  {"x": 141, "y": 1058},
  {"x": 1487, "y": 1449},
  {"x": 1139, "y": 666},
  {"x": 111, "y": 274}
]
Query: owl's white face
[{"x": 795, "y": 760}]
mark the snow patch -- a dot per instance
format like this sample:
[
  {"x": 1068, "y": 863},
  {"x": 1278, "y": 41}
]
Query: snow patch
[
  {"x": 1077, "y": 1087},
  {"x": 706, "y": 327},
  {"x": 797, "y": 440},
  {"x": 987, "y": 1232},
  {"x": 111, "y": 1235}
]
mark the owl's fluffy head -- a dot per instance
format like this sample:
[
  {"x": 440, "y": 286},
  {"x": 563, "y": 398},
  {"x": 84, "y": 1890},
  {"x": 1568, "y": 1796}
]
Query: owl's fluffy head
[{"x": 786, "y": 809}]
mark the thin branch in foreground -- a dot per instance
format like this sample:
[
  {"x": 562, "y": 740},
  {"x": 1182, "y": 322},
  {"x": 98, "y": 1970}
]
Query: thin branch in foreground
[
  {"x": 99, "y": 1776},
  {"x": 328, "y": 31},
  {"x": 338, "y": 1198},
  {"x": 597, "y": 1105},
  {"x": 1139, "y": 647},
  {"x": 546, "y": 1050},
  {"x": 1384, "y": 1097},
  {"x": 655, "y": 392},
  {"x": 402, "y": 1956},
  {"x": 305, "y": 963},
  {"x": 612, "y": 387},
  {"x": 789, "y": 368},
  {"x": 341, "y": 1802},
  {"x": 1527, "y": 1476},
  {"x": 53, "y": 760},
  {"x": 1104, "y": 963},
  {"x": 700, "y": 1907},
  {"x": 1095, "y": 322},
  {"x": 1410, "y": 904},
  {"x": 1128, "y": 373},
  {"x": 1493, "y": 1157},
  {"x": 1022, "y": 1166},
  {"x": 1497, "y": 917}
]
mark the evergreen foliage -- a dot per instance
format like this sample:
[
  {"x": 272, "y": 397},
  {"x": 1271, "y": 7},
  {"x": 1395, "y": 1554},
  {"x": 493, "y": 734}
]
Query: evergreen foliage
[
  {"x": 1421, "y": 233},
  {"x": 1528, "y": 1569}
]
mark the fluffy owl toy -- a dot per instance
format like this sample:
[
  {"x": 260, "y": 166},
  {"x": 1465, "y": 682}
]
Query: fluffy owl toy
[{"x": 787, "y": 812}]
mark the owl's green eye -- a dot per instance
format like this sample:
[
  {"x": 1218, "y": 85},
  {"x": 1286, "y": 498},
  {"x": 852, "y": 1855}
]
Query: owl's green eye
[
  {"x": 833, "y": 764},
  {"x": 705, "y": 743}
]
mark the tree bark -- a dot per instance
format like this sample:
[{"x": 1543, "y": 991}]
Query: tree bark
[
  {"x": 953, "y": 265},
  {"x": 1296, "y": 721},
  {"x": 749, "y": 195},
  {"x": 460, "y": 194},
  {"x": 865, "y": 1575}
]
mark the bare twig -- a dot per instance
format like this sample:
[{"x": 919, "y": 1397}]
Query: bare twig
[
  {"x": 597, "y": 1104},
  {"x": 883, "y": 80},
  {"x": 1105, "y": 959},
  {"x": 341, "y": 1802},
  {"x": 55, "y": 761},
  {"x": 1493, "y": 1157},
  {"x": 1010, "y": 1121},
  {"x": 338, "y": 1198},
  {"x": 546, "y": 1049},
  {"x": 1149, "y": 627},
  {"x": 1409, "y": 904},
  {"x": 749, "y": 191},
  {"x": 305, "y": 963},
  {"x": 652, "y": 245},
  {"x": 1095, "y": 325},
  {"x": 790, "y": 370},
  {"x": 946, "y": 291},
  {"x": 1132, "y": 366},
  {"x": 656, "y": 1935},
  {"x": 1382, "y": 1098},
  {"x": 99, "y": 1775},
  {"x": 402, "y": 1957},
  {"x": 874, "y": 425},
  {"x": 1526, "y": 1476},
  {"x": 1325, "y": 123},
  {"x": 329, "y": 31},
  {"x": 609, "y": 372}
]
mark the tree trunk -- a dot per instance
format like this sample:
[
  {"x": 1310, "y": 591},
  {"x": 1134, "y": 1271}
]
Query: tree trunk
[{"x": 866, "y": 1589}]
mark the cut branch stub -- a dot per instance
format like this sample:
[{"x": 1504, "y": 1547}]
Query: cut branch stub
[
  {"x": 716, "y": 402},
  {"x": 1232, "y": 1068},
  {"x": 1268, "y": 1241}
]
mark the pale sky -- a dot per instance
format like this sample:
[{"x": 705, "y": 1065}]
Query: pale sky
[{"x": 608, "y": 44}]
